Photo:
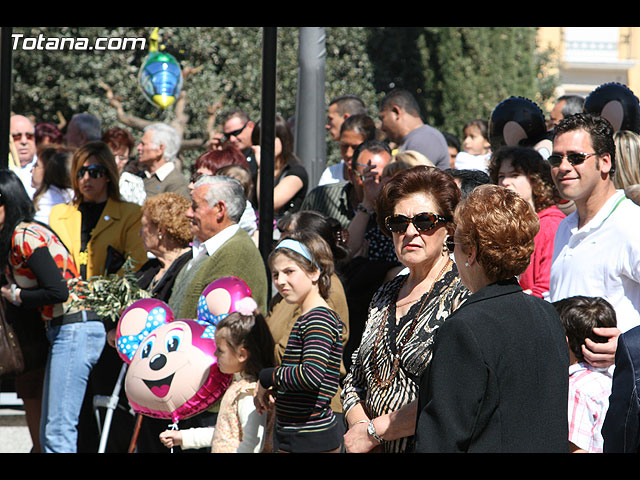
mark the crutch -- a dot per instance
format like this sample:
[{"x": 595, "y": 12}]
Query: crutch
[{"x": 110, "y": 403}]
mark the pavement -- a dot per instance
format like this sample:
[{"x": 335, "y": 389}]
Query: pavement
[{"x": 14, "y": 434}]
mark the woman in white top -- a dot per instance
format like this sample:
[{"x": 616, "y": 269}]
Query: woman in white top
[{"x": 50, "y": 177}]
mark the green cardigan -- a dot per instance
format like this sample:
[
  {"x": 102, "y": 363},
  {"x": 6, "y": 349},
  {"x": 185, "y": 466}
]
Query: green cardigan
[{"x": 237, "y": 257}]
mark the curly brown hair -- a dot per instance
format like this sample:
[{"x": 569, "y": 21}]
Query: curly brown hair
[
  {"x": 501, "y": 225},
  {"x": 530, "y": 163},
  {"x": 167, "y": 212}
]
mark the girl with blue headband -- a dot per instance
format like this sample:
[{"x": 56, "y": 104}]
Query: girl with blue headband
[{"x": 302, "y": 387}]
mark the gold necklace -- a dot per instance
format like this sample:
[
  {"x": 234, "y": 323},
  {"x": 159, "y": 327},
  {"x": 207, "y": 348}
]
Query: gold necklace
[{"x": 396, "y": 358}]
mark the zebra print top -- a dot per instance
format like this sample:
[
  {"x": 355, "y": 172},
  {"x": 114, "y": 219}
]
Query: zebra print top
[{"x": 360, "y": 384}]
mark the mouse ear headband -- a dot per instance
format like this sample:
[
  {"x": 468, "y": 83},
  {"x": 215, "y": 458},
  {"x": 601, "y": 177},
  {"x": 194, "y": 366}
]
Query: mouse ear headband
[{"x": 299, "y": 248}]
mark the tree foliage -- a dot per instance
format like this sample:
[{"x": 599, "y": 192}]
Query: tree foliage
[{"x": 457, "y": 73}]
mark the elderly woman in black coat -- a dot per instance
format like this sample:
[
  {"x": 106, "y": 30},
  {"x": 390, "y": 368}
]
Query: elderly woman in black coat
[{"x": 498, "y": 378}]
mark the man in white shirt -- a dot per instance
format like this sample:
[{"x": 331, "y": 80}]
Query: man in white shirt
[
  {"x": 157, "y": 150},
  {"x": 596, "y": 252},
  {"x": 339, "y": 110},
  {"x": 220, "y": 247},
  {"x": 24, "y": 139}
]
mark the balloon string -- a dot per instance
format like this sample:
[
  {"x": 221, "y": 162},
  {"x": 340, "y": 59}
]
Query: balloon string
[{"x": 173, "y": 426}]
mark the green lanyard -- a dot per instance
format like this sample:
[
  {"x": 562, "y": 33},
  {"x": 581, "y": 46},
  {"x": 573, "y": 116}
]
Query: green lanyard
[{"x": 624, "y": 197}]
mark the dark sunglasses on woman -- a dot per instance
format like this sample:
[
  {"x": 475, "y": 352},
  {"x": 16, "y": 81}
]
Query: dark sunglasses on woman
[
  {"x": 95, "y": 171},
  {"x": 423, "y": 222}
]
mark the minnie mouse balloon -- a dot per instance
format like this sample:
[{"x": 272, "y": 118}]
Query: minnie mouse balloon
[
  {"x": 617, "y": 104},
  {"x": 160, "y": 79},
  {"x": 516, "y": 121},
  {"x": 173, "y": 371}
]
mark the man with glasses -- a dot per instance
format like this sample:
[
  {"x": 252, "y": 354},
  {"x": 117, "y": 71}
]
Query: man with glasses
[
  {"x": 23, "y": 133},
  {"x": 237, "y": 129},
  {"x": 596, "y": 251}
]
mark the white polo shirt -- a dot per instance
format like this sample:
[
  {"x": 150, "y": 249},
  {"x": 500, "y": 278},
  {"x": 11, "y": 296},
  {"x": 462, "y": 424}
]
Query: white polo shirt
[{"x": 601, "y": 259}]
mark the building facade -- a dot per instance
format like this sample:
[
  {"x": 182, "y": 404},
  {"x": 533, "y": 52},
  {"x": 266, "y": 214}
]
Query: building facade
[{"x": 586, "y": 57}]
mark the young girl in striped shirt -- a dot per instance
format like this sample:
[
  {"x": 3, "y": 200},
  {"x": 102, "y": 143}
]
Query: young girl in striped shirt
[{"x": 302, "y": 387}]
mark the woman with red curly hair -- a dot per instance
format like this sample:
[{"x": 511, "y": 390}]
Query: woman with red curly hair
[
  {"x": 524, "y": 171},
  {"x": 498, "y": 379}
]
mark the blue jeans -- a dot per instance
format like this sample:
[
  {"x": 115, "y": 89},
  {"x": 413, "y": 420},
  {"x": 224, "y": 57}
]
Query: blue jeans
[{"x": 75, "y": 349}]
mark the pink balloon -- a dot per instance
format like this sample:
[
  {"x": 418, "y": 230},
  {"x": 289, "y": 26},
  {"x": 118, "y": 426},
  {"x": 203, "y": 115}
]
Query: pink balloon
[
  {"x": 222, "y": 295},
  {"x": 173, "y": 371}
]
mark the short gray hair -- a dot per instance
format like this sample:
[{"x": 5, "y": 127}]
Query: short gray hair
[
  {"x": 89, "y": 125},
  {"x": 166, "y": 135},
  {"x": 227, "y": 190}
]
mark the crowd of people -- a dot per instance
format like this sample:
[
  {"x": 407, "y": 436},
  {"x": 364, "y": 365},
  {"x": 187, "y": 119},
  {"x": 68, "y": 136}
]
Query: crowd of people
[{"x": 431, "y": 293}]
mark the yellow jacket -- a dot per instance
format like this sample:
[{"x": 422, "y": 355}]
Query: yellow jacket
[{"x": 118, "y": 227}]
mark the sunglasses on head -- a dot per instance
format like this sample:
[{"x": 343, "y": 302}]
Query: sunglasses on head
[
  {"x": 234, "y": 133},
  {"x": 423, "y": 222},
  {"x": 18, "y": 136},
  {"x": 574, "y": 158},
  {"x": 95, "y": 171}
]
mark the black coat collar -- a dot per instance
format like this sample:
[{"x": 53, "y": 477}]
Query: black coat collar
[{"x": 493, "y": 290}]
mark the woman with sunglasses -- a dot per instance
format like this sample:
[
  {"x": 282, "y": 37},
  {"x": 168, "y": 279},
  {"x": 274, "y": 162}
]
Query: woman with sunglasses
[
  {"x": 415, "y": 208},
  {"x": 524, "y": 171},
  {"x": 497, "y": 380},
  {"x": 101, "y": 231}
]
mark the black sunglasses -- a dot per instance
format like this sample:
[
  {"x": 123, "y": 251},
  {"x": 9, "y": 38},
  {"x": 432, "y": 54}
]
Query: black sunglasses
[
  {"x": 95, "y": 171},
  {"x": 423, "y": 222},
  {"x": 234, "y": 133},
  {"x": 574, "y": 158}
]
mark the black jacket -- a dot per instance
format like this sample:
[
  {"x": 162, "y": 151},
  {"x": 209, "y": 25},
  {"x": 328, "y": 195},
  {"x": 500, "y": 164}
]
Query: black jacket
[
  {"x": 621, "y": 428},
  {"x": 499, "y": 377}
]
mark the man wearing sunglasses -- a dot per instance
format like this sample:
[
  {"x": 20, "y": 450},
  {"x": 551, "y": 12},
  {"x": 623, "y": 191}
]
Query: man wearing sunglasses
[
  {"x": 237, "y": 130},
  {"x": 24, "y": 139},
  {"x": 596, "y": 251}
]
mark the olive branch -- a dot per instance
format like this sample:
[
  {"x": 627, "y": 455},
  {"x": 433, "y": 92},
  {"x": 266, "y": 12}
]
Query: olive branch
[{"x": 108, "y": 295}]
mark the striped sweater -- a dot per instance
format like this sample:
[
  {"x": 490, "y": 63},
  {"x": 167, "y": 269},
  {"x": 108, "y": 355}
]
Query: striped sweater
[{"x": 307, "y": 380}]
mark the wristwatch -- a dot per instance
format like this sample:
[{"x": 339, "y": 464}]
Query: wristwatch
[{"x": 371, "y": 430}]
